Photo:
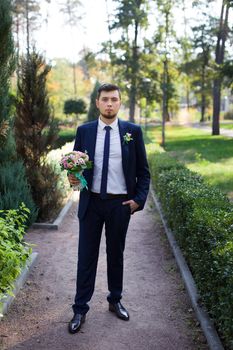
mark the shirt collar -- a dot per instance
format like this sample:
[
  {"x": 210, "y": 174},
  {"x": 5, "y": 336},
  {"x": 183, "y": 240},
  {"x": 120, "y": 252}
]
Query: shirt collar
[{"x": 114, "y": 125}]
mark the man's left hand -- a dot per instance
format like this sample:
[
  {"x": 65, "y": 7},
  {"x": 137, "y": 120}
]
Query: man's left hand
[{"x": 133, "y": 205}]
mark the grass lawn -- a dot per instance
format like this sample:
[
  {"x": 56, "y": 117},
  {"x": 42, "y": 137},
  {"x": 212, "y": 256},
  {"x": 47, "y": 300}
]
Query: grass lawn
[
  {"x": 223, "y": 125},
  {"x": 211, "y": 156},
  {"x": 226, "y": 126}
]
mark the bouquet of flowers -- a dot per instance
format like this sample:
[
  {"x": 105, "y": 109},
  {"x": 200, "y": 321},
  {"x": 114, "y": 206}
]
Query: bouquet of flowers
[{"x": 75, "y": 163}]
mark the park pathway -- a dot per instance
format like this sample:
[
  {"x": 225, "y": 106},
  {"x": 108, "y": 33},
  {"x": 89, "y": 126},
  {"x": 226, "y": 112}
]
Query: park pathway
[
  {"x": 223, "y": 132},
  {"x": 160, "y": 311},
  {"x": 185, "y": 120}
]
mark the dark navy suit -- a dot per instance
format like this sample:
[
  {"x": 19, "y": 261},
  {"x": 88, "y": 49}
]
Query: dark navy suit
[{"x": 94, "y": 212}]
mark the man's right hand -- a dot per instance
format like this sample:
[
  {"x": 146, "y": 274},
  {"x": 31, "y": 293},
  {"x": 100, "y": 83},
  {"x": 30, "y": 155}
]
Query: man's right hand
[{"x": 73, "y": 180}]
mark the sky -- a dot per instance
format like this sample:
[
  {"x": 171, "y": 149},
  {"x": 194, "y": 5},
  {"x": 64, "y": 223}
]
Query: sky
[{"x": 54, "y": 39}]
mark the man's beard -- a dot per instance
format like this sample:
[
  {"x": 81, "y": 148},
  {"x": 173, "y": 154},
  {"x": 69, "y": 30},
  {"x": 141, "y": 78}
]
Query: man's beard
[{"x": 109, "y": 116}]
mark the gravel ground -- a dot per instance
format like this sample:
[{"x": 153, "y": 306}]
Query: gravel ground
[{"x": 161, "y": 317}]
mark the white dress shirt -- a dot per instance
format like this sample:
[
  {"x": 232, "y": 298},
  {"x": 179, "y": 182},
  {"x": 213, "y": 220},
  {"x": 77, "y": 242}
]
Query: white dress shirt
[{"x": 116, "y": 179}]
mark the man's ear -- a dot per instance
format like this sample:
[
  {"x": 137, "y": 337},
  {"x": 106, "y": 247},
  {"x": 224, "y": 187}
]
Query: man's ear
[{"x": 97, "y": 103}]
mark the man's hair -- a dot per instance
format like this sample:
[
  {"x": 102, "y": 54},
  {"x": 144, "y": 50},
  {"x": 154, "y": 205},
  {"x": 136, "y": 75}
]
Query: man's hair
[{"x": 108, "y": 87}]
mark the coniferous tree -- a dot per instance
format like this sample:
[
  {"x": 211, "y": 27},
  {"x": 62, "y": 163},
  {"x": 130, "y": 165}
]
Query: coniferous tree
[
  {"x": 36, "y": 131},
  {"x": 93, "y": 112},
  {"x": 14, "y": 188},
  {"x": 6, "y": 69}
]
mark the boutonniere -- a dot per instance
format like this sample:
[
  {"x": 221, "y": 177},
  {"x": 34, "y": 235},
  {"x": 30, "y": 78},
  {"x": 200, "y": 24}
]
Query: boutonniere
[{"x": 127, "y": 137}]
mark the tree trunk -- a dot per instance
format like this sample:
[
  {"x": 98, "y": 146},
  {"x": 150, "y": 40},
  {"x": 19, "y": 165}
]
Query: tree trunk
[
  {"x": 27, "y": 28},
  {"x": 186, "y": 55},
  {"x": 203, "y": 84},
  {"x": 132, "y": 101},
  {"x": 216, "y": 106},
  {"x": 164, "y": 102},
  {"x": 17, "y": 51},
  {"x": 203, "y": 107},
  {"x": 17, "y": 40},
  {"x": 133, "y": 88},
  {"x": 219, "y": 59},
  {"x": 165, "y": 93},
  {"x": 166, "y": 73}
]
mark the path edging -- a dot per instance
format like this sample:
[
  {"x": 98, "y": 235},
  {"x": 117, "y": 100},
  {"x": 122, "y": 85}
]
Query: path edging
[
  {"x": 57, "y": 222},
  {"x": 207, "y": 325},
  {"x": 19, "y": 282}
]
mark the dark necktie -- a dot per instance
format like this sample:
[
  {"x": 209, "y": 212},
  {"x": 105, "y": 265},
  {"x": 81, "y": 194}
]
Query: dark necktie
[{"x": 103, "y": 187}]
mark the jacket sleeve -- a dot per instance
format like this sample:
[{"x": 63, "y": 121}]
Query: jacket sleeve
[
  {"x": 77, "y": 143},
  {"x": 142, "y": 171}
]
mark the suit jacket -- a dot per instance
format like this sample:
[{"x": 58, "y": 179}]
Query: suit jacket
[{"x": 134, "y": 161}]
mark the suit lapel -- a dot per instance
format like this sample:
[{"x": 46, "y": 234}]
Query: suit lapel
[
  {"x": 124, "y": 147},
  {"x": 92, "y": 135}
]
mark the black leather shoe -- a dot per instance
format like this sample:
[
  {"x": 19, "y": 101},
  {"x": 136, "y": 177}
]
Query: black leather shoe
[
  {"x": 76, "y": 323},
  {"x": 119, "y": 310}
]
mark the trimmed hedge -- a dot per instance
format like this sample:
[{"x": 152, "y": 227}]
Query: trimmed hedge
[
  {"x": 64, "y": 136},
  {"x": 201, "y": 218},
  {"x": 14, "y": 252}
]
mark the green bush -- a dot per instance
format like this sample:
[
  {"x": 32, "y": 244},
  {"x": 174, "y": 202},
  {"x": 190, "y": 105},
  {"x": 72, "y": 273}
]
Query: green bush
[
  {"x": 49, "y": 190},
  {"x": 64, "y": 136},
  {"x": 201, "y": 218},
  {"x": 162, "y": 162},
  {"x": 72, "y": 106},
  {"x": 14, "y": 189},
  {"x": 14, "y": 252}
]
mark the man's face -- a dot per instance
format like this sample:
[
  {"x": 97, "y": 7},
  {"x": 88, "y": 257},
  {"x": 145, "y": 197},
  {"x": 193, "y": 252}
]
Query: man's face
[{"x": 109, "y": 103}]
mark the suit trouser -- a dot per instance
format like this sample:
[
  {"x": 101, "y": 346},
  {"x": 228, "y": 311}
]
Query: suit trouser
[{"x": 115, "y": 216}]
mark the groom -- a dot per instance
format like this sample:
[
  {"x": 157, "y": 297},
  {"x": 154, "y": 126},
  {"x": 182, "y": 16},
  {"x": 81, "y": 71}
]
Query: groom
[{"x": 118, "y": 185}]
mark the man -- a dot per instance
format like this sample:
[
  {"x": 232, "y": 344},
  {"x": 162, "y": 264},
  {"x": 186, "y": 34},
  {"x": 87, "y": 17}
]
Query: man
[{"x": 118, "y": 184}]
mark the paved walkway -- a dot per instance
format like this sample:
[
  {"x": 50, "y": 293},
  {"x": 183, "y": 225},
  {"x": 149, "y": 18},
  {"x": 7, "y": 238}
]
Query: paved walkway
[
  {"x": 161, "y": 315},
  {"x": 184, "y": 119},
  {"x": 223, "y": 132}
]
